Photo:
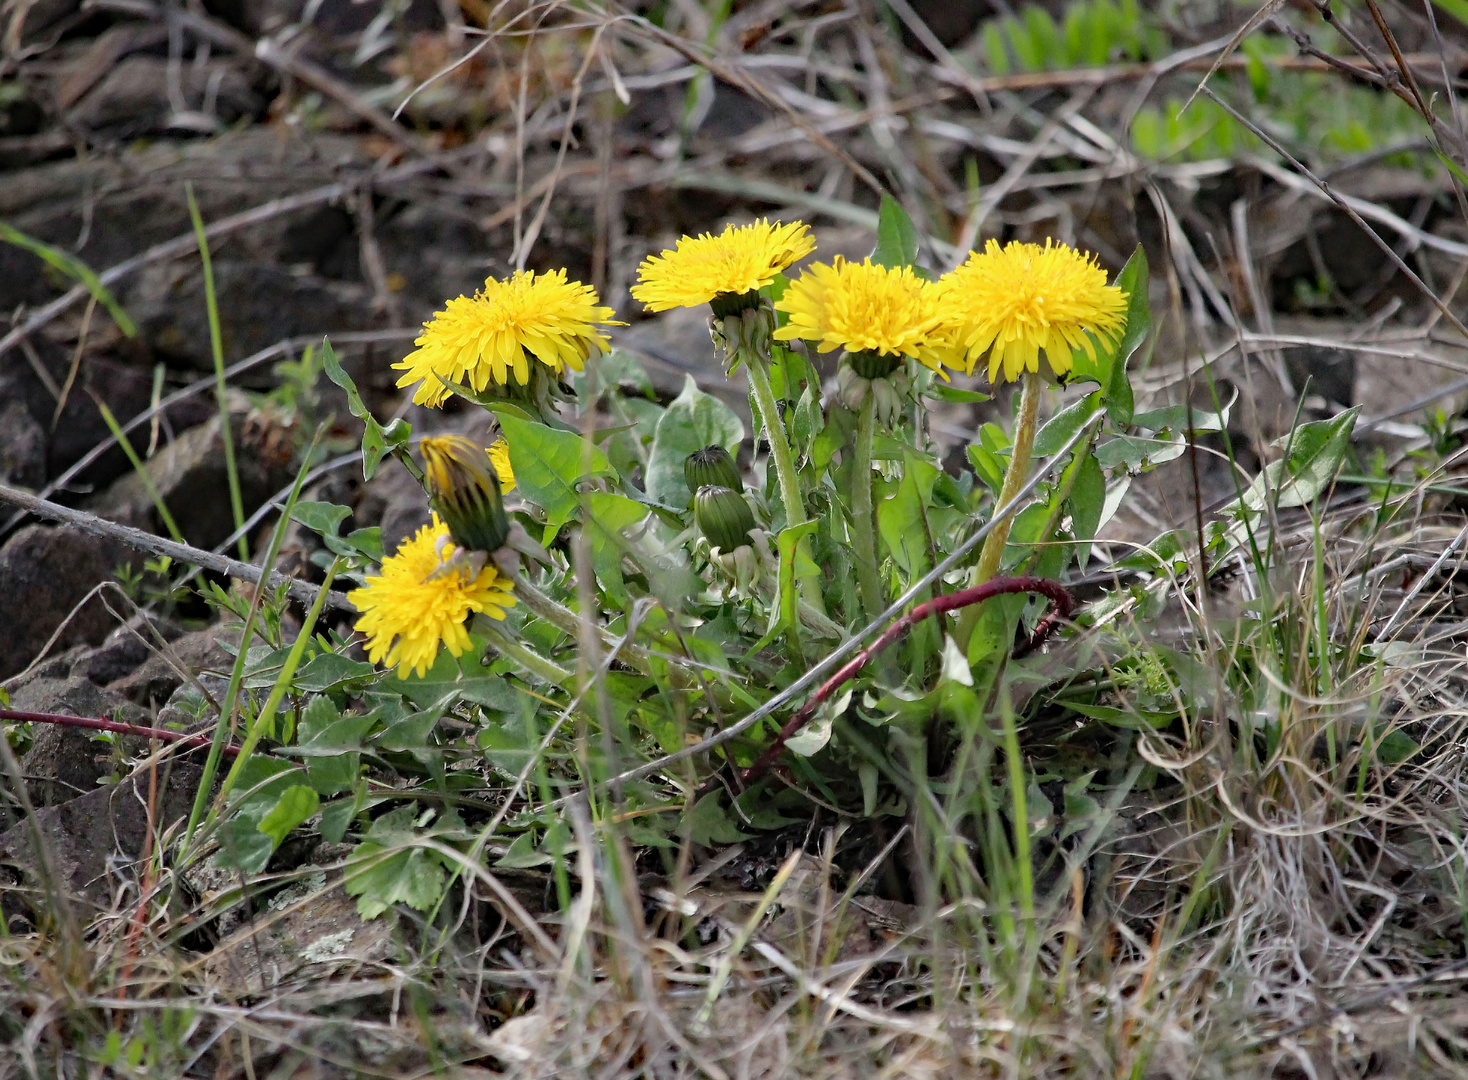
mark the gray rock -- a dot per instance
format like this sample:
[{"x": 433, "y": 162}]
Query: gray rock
[
  {"x": 125, "y": 649},
  {"x": 134, "y": 98},
  {"x": 191, "y": 476},
  {"x": 158, "y": 678},
  {"x": 66, "y": 762},
  {"x": 22, "y": 447},
  {"x": 259, "y": 304},
  {"x": 91, "y": 840},
  {"x": 46, "y": 572}
]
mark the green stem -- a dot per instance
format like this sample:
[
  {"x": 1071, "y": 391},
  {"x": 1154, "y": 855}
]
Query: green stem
[
  {"x": 759, "y": 380},
  {"x": 283, "y": 682},
  {"x": 863, "y": 523},
  {"x": 564, "y": 619},
  {"x": 532, "y": 662},
  {"x": 1014, "y": 478}
]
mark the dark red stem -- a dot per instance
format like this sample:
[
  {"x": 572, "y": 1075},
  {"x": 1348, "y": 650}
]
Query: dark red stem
[
  {"x": 161, "y": 734},
  {"x": 1058, "y": 594}
]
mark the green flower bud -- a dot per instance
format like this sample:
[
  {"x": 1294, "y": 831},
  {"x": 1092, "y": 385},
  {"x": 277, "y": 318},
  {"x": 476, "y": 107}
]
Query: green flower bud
[
  {"x": 723, "y": 516},
  {"x": 870, "y": 364},
  {"x": 463, "y": 488},
  {"x": 711, "y": 466},
  {"x": 726, "y": 304}
]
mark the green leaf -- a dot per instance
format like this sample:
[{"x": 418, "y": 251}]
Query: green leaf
[
  {"x": 1087, "y": 501},
  {"x": 75, "y": 269},
  {"x": 941, "y": 391},
  {"x": 1117, "y": 390},
  {"x": 463, "y": 677},
  {"x": 710, "y": 823},
  {"x": 1175, "y": 418},
  {"x": 1058, "y": 430},
  {"x": 321, "y": 517},
  {"x": 331, "y": 671},
  {"x": 379, "y": 880},
  {"x": 1314, "y": 453},
  {"x": 901, "y": 516},
  {"x": 609, "y": 514},
  {"x": 295, "y": 805},
  {"x": 897, "y": 238},
  {"x": 549, "y": 464},
  {"x": 262, "y": 781},
  {"x": 693, "y": 420},
  {"x": 377, "y": 441},
  {"x": 337, "y": 374},
  {"x": 787, "y": 543}
]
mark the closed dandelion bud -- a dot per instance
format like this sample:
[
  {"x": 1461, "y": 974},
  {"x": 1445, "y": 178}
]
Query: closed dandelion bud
[
  {"x": 889, "y": 400},
  {"x": 711, "y": 467},
  {"x": 723, "y": 516},
  {"x": 463, "y": 488},
  {"x": 851, "y": 388}
]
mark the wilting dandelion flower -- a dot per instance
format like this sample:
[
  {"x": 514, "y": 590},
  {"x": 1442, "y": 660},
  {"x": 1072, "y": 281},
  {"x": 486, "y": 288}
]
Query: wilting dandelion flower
[
  {"x": 411, "y": 609},
  {"x": 1016, "y": 301},
  {"x": 494, "y": 336},
  {"x": 726, "y": 270}
]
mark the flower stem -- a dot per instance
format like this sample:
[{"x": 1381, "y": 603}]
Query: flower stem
[
  {"x": 1014, "y": 478},
  {"x": 759, "y": 380},
  {"x": 531, "y": 661},
  {"x": 863, "y": 522}
]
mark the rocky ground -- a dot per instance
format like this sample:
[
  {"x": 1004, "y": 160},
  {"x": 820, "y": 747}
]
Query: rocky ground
[{"x": 329, "y": 217}]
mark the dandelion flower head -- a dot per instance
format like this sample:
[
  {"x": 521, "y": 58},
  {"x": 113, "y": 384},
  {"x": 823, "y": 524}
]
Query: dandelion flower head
[
  {"x": 1015, "y": 301},
  {"x": 864, "y": 307},
  {"x": 408, "y": 613},
  {"x": 495, "y": 335},
  {"x": 499, "y": 457},
  {"x": 740, "y": 260}
]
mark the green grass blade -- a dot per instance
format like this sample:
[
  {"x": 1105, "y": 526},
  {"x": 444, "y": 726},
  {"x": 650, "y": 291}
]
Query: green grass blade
[
  {"x": 216, "y": 345},
  {"x": 142, "y": 470},
  {"x": 73, "y": 268}
]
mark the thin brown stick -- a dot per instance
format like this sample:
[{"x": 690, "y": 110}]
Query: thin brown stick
[{"x": 303, "y": 591}]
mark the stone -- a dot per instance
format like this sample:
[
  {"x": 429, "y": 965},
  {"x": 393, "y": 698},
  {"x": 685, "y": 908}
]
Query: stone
[
  {"x": 156, "y": 680},
  {"x": 47, "y": 572},
  {"x": 191, "y": 476},
  {"x": 134, "y": 98},
  {"x": 124, "y": 650},
  {"x": 92, "y": 840},
  {"x": 22, "y": 447},
  {"x": 66, "y": 762}
]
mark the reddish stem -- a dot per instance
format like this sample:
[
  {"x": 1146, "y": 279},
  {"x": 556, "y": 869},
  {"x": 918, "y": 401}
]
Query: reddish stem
[
  {"x": 161, "y": 734},
  {"x": 1058, "y": 594}
]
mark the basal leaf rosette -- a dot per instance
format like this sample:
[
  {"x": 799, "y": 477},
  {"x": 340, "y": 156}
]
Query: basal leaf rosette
[
  {"x": 412, "y": 609},
  {"x": 1018, "y": 301},
  {"x": 496, "y": 336},
  {"x": 726, "y": 271}
]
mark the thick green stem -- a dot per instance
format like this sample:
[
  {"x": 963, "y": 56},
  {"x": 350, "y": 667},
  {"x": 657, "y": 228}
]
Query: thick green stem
[
  {"x": 1014, "y": 478},
  {"x": 759, "y": 380},
  {"x": 863, "y": 522},
  {"x": 531, "y": 661}
]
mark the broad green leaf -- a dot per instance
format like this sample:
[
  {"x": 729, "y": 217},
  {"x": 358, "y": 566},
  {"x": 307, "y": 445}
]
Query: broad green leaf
[
  {"x": 331, "y": 671},
  {"x": 321, "y": 517},
  {"x": 793, "y": 562},
  {"x": 901, "y": 517},
  {"x": 377, "y": 441},
  {"x": 1087, "y": 504},
  {"x": 943, "y": 392},
  {"x": 549, "y": 464},
  {"x": 1109, "y": 369},
  {"x": 710, "y": 823},
  {"x": 1137, "y": 453},
  {"x": 1314, "y": 453},
  {"x": 693, "y": 420},
  {"x": 1060, "y": 427},
  {"x": 897, "y": 238},
  {"x": 261, "y": 783},
  {"x": 609, "y": 514},
  {"x": 337, "y": 374},
  {"x": 1175, "y": 418},
  {"x": 295, "y": 805},
  {"x": 380, "y": 878},
  {"x": 463, "y": 677}
]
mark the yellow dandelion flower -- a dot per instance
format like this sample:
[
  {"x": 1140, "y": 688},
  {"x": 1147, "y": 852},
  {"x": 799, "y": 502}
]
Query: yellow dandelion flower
[
  {"x": 411, "y": 609},
  {"x": 1015, "y": 301},
  {"x": 499, "y": 457},
  {"x": 865, "y": 308},
  {"x": 740, "y": 260},
  {"x": 491, "y": 337}
]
